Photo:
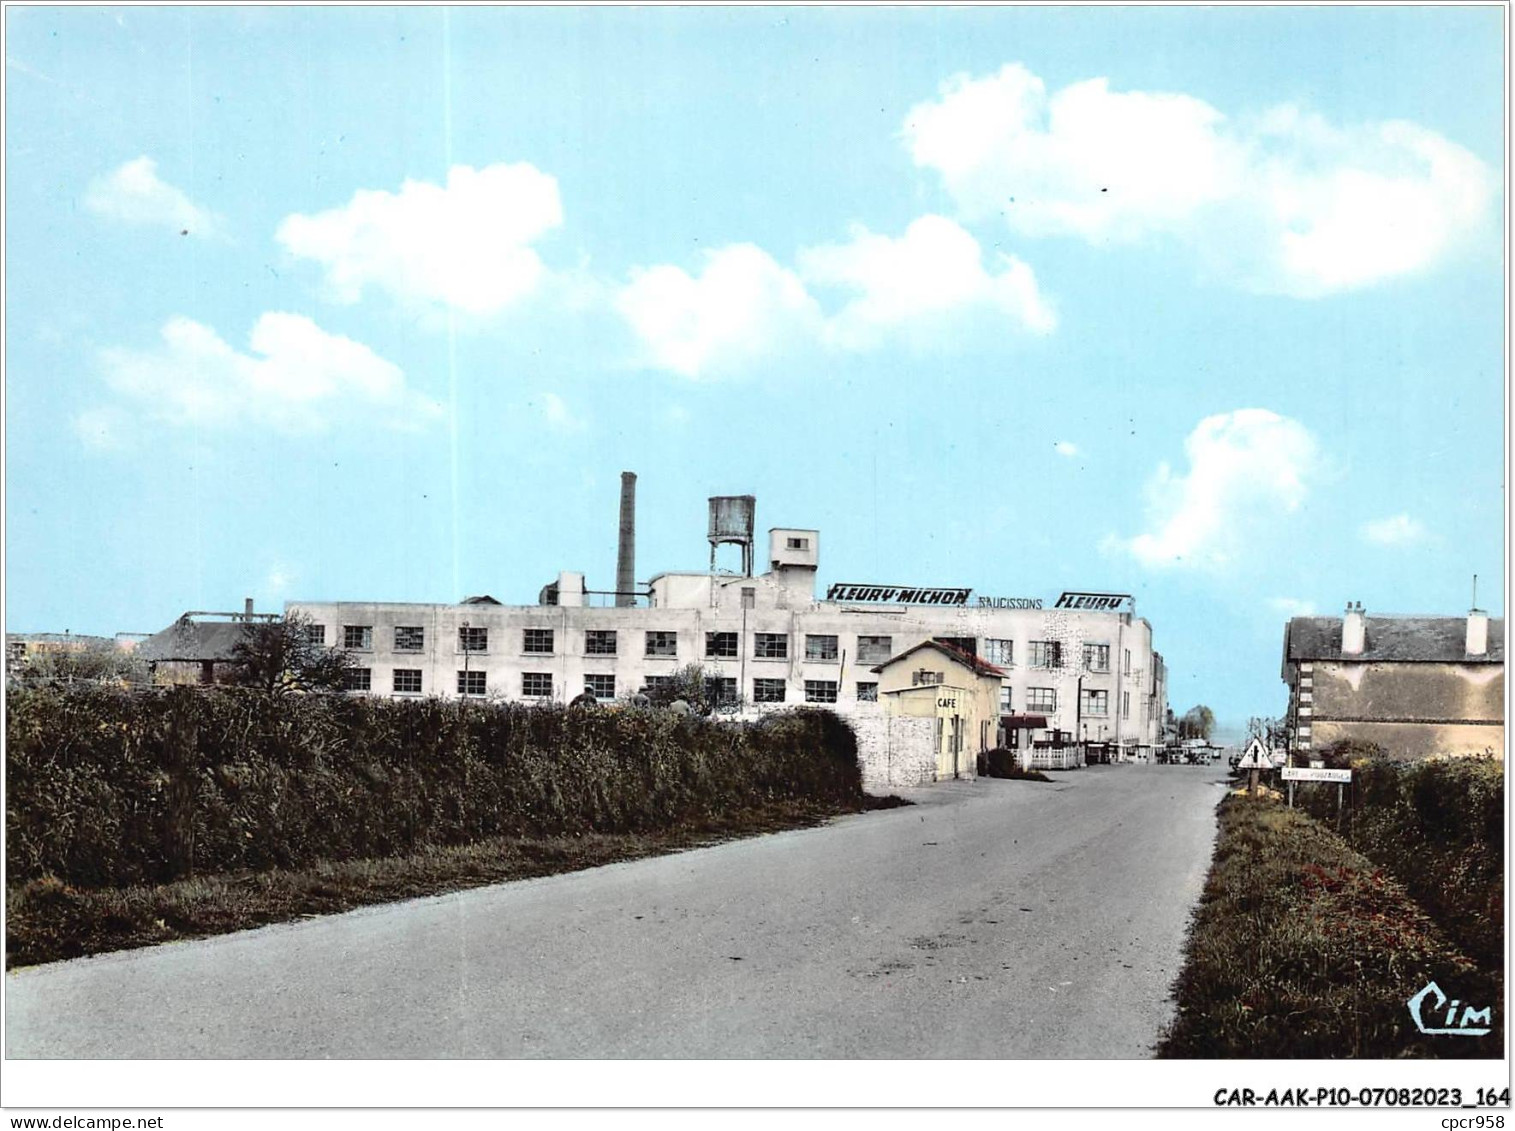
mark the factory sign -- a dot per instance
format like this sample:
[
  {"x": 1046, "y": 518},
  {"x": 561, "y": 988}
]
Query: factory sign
[
  {"x": 1009, "y": 602},
  {"x": 897, "y": 594},
  {"x": 1095, "y": 601}
]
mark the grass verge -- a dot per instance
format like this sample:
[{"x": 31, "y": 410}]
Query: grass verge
[
  {"x": 1302, "y": 947},
  {"x": 47, "y": 920}
]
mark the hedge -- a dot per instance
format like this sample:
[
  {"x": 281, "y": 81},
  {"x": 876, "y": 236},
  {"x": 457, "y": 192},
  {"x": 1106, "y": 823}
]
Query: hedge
[
  {"x": 1302, "y": 947},
  {"x": 109, "y": 788}
]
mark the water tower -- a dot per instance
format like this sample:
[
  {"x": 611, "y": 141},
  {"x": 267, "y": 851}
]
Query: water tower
[{"x": 733, "y": 519}]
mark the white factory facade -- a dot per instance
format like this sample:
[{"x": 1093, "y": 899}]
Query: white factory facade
[{"x": 1079, "y": 667}]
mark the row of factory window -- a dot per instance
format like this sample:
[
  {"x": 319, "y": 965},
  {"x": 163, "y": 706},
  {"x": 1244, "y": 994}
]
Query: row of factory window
[
  {"x": 720, "y": 645},
  {"x": 539, "y": 685}
]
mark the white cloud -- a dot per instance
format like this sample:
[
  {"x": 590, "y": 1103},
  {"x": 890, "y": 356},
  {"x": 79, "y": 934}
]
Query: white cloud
[
  {"x": 1246, "y": 468},
  {"x": 1396, "y": 530},
  {"x": 1065, "y": 448},
  {"x": 926, "y": 281},
  {"x": 295, "y": 378},
  {"x": 559, "y": 416},
  {"x": 1281, "y": 202},
  {"x": 1292, "y": 607},
  {"x": 134, "y": 194},
  {"x": 465, "y": 246},
  {"x": 741, "y": 307}
]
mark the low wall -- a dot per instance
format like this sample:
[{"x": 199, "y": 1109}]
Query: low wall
[{"x": 895, "y": 751}]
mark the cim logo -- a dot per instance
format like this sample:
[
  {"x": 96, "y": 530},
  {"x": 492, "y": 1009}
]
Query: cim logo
[{"x": 1467, "y": 1027}]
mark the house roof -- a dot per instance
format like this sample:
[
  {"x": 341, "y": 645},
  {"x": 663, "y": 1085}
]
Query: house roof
[
  {"x": 1397, "y": 639},
  {"x": 967, "y": 659},
  {"x": 192, "y": 640}
]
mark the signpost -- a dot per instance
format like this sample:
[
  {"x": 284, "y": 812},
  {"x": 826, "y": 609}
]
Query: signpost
[
  {"x": 1256, "y": 758},
  {"x": 1293, "y": 774}
]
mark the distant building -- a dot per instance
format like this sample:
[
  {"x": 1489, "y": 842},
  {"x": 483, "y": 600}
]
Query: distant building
[
  {"x": 199, "y": 647},
  {"x": 957, "y": 690},
  {"x": 1414, "y": 685}
]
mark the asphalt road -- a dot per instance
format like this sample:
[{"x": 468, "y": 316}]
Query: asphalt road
[{"x": 992, "y": 919}]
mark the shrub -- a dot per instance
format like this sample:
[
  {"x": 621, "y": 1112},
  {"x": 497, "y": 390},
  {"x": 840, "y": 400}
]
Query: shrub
[
  {"x": 1301, "y": 947},
  {"x": 105, "y": 789}
]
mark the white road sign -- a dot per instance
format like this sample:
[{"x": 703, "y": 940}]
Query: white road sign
[
  {"x": 1256, "y": 757},
  {"x": 1298, "y": 773}
]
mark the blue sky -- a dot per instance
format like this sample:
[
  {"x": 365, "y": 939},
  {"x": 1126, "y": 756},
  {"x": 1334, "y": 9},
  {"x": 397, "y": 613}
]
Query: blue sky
[{"x": 1201, "y": 305}]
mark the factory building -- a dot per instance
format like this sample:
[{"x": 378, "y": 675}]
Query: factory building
[{"x": 1079, "y": 668}]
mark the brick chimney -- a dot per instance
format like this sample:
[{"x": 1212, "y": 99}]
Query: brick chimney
[
  {"x": 1478, "y": 632},
  {"x": 247, "y": 609},
  {"x": 1354, "y": 629}
]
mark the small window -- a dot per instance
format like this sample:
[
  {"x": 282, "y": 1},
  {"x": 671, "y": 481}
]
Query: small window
[
  {"x": 1127, "y": 662},
  {"x": 537, "y": 641},
  {"x": 926, "y": 678},
  {"x": 820, "y": 691},
  {"x": 315, "y": 634},
  {"x": 600, "y": 686},
  {"x": 536, "y": 685},
  {"x": 357, "y": 637},
  {"x": 662, "y": 644},
  {"x": 1004, "y": 699},
  {"x": 820, "y": 648},
  {"x": 409, "y": 638},
  {"x": 768, "y": 690},
  {"x": 407, "y": 681},
  {"x": 749, "y": 598},
  {"x": 472, "y": 639},
  {"x": 799, "y": 543},
  {"x": 599, "y": 642},
  {"x": 657, "y": 682},
  {"x": 999, "y": 652},
  {"x": 867, "y": 693},
  {"x": 1125, "y": 704},
  {"x": 770, "y": 646},
  {"x": 874, "y": 649},
  {"x": 357, "y": 679},
  {"x": 721, "y": 689},
  {"x": 1097, "y": 657},
  {"x": 720, "y": 645},
  {"x": 1042, "y": 700},
  {"x": 471, "y": 683}
]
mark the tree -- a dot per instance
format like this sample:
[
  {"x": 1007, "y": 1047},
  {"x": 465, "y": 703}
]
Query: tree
[
  {"x": 278, "y": 657},
  {"x": 1272, "y": 733},
  {"x": 695, "y": 686},
  {"x": 1198, "y": 722},
  {"x": 91, "y": 663}
]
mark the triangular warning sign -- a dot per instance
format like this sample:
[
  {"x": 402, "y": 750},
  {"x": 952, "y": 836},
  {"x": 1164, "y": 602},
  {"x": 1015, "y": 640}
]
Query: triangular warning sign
[{"x": 1256, "y": 758}]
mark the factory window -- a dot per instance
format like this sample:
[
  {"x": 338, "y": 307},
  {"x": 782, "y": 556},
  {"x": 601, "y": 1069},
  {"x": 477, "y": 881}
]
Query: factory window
[
  {"x": 720, "y": 645},
  {"x": 471, "y": 683},
  {"x": 315, "y": 634},
  {"x": 925, "y": 677},
  {"x": 749, "y": 598},
  {"x": 867, "y": 693},
  {"x": 1127, "y": 668},
  {"x": 599, "y": 642},
  {"x": 358, "y": 637},
  {"x": 820, "y": 648},
  {"x": 820, "y": 691},
  {"x": 874, "y": 649},
  {"x": 1046, "y": 654},
  {"x": 1097, "y": 657},
  {"x": 1096, "y": 703},
  {"x": 968, "y": 644},
  {"x": 662, "y": 644},
  {"x": 1041, "y": 699},
  {"x": 409, "y": 638},
  {"x": 656, "y": 682},
  {"x": 535, "y": 642},
  {"x": 407, "y": 681},
  {"x": 473, "y": 639},
  {"x": 600, "y": 686},
  {"x": 799, "y": 543},
  {"x": 768, "y": 690},
  {"x": 999, "y": 651},
  {"x": 536, "y": 685},
  {"x": 721, "y": 689},
  {"x": 1125, "y": 704},
  {"x": 357, "y": 679},
  {"x": 771, "y": 646},
  {"x": 1004, "y": 698}
]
